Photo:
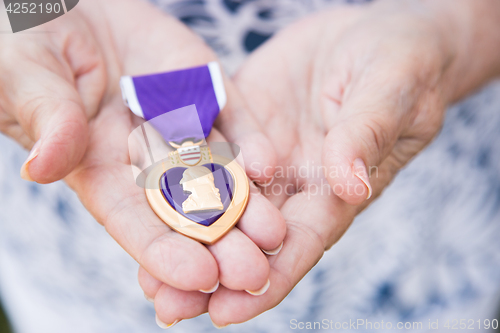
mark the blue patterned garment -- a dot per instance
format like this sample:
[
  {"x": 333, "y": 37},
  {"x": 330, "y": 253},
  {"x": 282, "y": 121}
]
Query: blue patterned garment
[{"x": 428, "y": 249}]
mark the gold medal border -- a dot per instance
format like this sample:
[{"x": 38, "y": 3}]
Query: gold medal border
[{"x": 207, "y": 235}]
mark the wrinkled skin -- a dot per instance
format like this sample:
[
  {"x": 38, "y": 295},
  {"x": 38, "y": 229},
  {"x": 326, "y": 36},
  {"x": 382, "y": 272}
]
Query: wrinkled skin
[
  {"x": 62, "y": 88},
  {"x": 369, "y": 83}
]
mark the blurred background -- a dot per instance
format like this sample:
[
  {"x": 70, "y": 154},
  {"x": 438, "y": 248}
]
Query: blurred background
[
  {"x": 428, "y": 248},
  {"x": 4, "y": 324}
]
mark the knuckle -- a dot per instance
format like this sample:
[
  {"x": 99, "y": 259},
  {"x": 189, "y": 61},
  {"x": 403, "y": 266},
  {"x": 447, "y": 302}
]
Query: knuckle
[{"x": 380, "y": 137}]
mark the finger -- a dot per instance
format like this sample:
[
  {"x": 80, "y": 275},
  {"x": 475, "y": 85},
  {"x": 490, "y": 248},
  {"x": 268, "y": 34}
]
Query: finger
[
  {"x": 242, "y": 265},
  {"x": 240, "y": 126},
  {"x": 365, "y": 130},
  {"x": 262, "y": 222},
  {"x": 173, "y": 305},
  {"x": 112, "y": 196},
  {"x": 314, "y": 223},
  {"x": 47, "y": 103},
  {"x": 50, "y": 111},
  {"x": 149, "y": 284}
]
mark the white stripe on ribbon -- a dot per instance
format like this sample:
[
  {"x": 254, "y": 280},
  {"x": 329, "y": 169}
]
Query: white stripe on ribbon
[
  {"x": 218, "y": 83},
  {"x": 64, "y": 6},
  {"x": 130, "y": 96}
]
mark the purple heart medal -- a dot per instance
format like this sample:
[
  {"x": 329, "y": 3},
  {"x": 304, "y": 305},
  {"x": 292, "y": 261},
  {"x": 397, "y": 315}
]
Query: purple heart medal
[{"x": 196, "y": 189}]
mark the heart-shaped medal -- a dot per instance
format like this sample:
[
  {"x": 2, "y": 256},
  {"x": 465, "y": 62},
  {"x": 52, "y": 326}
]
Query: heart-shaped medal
[
  {"x": 203, "y": 201},
  {"x": 197, "y": 193}
]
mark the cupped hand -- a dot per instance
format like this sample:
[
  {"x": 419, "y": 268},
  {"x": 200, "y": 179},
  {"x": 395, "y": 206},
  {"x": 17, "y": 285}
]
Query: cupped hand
[
  {"x": 346, "y": 98},
  {"x": 60, "y": 96}
]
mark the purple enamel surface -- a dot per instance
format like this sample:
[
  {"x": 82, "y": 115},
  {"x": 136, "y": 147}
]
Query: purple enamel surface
[
  {"x": 161, "y": 93},
  {"x": 175, "y": 195}
]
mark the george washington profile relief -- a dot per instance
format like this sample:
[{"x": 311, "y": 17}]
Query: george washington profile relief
[{"x": 204, "y": 196}]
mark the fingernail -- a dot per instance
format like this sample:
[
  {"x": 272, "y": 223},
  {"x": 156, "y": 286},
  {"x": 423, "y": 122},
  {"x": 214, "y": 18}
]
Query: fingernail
[
  {"x": 152, "y": 300},
  {"x": 261, "y": 291},
  {"x": 263, "y": 184},
  {"x": 361, "y": 172},
  {"x": 217, "y": 326},
  {"x": 33, "y": 154},
  {"x": 275, "y": 251},
  {"x": 164, "y": 326},
  {"x": 211, "y": 290}
]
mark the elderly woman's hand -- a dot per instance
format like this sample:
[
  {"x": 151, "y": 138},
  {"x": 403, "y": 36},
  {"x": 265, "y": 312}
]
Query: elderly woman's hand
[
  {"x": 60, "y": 96},
  {"x": 342, "y": 93}
]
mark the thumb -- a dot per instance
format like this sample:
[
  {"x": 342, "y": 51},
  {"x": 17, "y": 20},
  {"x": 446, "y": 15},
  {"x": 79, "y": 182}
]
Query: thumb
[
  {"x": 364, "y": 134},
  {"x": 51, "y": 113}
]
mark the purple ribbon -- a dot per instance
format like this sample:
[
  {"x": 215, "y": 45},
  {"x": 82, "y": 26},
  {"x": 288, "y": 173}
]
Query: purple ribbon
[{"x": 151, "y": 96}]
